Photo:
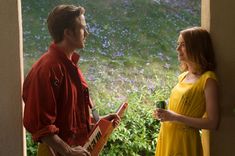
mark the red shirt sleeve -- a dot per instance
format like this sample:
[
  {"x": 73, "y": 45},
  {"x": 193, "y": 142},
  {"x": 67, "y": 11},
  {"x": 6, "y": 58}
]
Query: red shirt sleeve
[{"x": 40, "y": 90}]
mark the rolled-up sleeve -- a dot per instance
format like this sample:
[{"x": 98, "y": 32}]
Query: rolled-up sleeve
[{"x": 40, "y": 91}]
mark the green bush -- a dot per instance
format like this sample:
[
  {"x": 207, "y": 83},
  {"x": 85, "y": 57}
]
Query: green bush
[
  {"x": 31, "y": 145},
  {"x": 138, "y": 131},
  {"x": 136, "y": 134}
]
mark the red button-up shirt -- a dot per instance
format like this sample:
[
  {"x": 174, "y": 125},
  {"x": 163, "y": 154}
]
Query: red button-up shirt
[{"x": 56, "y": 98}]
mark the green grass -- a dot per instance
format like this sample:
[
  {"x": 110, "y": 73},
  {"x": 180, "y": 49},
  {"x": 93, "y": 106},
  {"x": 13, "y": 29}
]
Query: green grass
[{"x": 129, "y": 56}]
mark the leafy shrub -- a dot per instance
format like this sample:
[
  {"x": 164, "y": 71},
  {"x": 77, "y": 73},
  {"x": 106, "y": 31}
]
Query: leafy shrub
[
  {"x": 136, "y": 135},
  {"x": 31, "y": 145}
]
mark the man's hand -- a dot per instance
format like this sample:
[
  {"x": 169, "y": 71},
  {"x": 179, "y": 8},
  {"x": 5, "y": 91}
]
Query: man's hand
[
  {"x": 114, "y": 118},
  {"x": 58, "y": 145}
]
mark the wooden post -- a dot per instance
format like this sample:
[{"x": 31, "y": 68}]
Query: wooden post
[
  {"x": 218, "y": 18},
  {"x": 12, "y": 137}
]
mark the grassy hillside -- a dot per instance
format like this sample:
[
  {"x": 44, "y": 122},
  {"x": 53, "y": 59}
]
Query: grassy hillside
[{"x": 129, "y": 56}]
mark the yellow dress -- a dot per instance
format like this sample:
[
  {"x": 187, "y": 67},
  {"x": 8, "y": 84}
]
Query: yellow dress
[{"x": 178, "y": 139}]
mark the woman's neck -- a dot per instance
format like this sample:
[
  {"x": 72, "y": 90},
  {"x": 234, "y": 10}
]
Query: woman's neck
[
  {"x": 193, "y": 74},
  {"x": 192, "y": 69}
]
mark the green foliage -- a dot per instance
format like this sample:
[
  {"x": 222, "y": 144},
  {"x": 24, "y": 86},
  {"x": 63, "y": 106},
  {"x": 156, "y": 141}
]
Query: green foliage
[
  {"x": 31, "y": 146},
  {"x": 138, "y": 130},
  {"x": 136, "y": 135},
  {"x": 129, "y": 56}
]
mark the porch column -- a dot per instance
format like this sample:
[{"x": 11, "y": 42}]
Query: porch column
[
  {"x": 12, "y": 142},
  {"x": 218, "y": 18}
]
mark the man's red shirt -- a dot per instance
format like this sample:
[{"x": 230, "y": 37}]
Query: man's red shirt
[{"x": 56, "y": 98}]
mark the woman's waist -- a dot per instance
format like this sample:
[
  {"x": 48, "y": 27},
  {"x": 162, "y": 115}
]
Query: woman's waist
[{"x": 178, "y": 126}]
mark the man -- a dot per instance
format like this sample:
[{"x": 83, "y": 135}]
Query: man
[{"x": 57, "y": 103}]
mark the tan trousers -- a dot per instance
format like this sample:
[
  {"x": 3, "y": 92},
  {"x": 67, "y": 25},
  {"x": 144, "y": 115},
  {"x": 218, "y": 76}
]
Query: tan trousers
[{"x": 45, "y": 150}]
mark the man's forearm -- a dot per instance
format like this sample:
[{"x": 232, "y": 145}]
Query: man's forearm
[{"x": 57, "y": 144}]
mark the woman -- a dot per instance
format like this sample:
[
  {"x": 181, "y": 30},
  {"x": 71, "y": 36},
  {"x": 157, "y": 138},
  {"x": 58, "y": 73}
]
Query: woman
[{"x": 193, "y": 103}]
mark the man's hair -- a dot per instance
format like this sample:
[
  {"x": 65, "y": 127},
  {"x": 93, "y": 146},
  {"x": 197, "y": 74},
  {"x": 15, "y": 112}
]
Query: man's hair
[
  {"x": 199, "y": 48},
  {"x": 63, "y": 17}
]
